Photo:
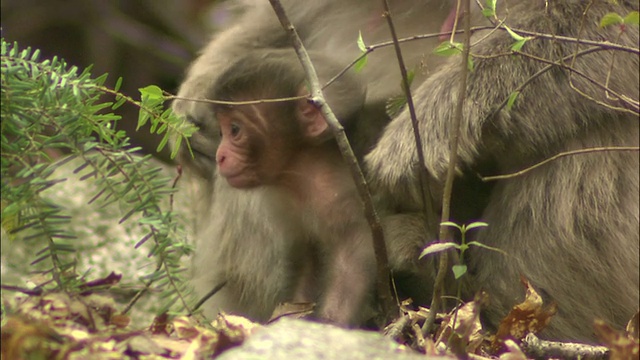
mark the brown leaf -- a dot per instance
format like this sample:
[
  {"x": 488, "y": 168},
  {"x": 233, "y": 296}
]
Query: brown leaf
[
  {"x": 160, "y": 324},
  {"x": 527, "y": 317},
  {"x": 634, "y": 325},
  {"x": 467, "y": 328},
  {"x": 621, "y": 345}
]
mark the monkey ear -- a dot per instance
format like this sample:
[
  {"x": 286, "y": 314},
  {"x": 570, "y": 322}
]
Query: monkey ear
[{"x": 314, "y": 126}]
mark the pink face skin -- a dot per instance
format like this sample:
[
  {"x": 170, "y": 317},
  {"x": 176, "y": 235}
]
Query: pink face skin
[
  {"x": 232, "y": 154},
  {"x": 259, "y": 150}
]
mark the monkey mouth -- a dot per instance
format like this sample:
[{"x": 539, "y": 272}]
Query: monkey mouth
[{"x": 239, "y": 180}]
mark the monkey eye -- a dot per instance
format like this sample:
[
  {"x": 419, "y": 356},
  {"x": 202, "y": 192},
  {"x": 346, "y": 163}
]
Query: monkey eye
[{"x": 235, "y": 129}]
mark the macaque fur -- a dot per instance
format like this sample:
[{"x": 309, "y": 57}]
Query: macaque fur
[
  {"x": 289, "y": 147},
  {"x": 246, "y": 237},
  {"x": 570, "y": 227}
]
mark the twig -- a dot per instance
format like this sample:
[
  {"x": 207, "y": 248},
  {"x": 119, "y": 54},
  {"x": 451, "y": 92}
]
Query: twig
[
  {"x": 538, "y": 348},
  {"x": 423, "y": 175},
  {"x": 213, "y": 291},
  {"x": 454, "y": 135},
  {"x": 558, "y": 156}
]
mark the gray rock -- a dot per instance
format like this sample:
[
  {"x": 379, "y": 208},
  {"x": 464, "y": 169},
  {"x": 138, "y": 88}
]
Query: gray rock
[{"x": 291, "y": 339}]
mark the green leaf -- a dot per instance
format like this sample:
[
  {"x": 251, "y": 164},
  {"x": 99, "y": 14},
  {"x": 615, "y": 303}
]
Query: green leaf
[
  {"x": 486, "y": 12},
  {"x": 514, "y": 36},
  {"x": 611, "y": 19},
  {"x": 101, "y": 79},
  {"x": 163, "y": 142},
  {"x": 119, "y": 101},
  {"x": 176, "y": 147},
  {"x": 459, "y": 271},
  {"x": 143, "y": 117},
  {"x": 118, "y": 84},
  {"x": 152, "y": 92},
  {"x": 438, "y": 247},
  {"x": 518, "y": 45},
  {"x": 360, "y": 64},
  {"x": 448, "y": 48},
  {"x": 35, "y": 55},
  {"x": 481, "y": 245},
  {"x": 395, "y": 105},
  {"x": 512, "y": 99},
  {"x": 451, "y": 224},
  {"x": 361, "y": 44},
  {"x": 162, "y": 128},
  {"x": 411, "y": 75},
  {"x": 476, "y": 224},
  {"x": 632, "y": 19}
]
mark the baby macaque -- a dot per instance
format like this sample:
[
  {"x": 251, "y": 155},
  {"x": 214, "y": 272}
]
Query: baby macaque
[
  {"x": 249, "y": 238},
  {"x": 289, "y": 148}
]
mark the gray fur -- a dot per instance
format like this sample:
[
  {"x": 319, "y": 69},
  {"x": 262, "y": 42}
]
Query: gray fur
[
  {"x": 245, "y": 236},
  {"x": 571, "y": 226}
]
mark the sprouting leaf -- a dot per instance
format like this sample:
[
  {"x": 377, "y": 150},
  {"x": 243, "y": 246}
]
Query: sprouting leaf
[
  {"x": 360, "y": 64},
  {"x": 611, "y": 19},
  {"x": 479, "y": 244},
  {"x": 514, "y": 36},
  {"x": 633, "y": 18},
  {"x": 476, "y": 224},
  {"x": 512, "y": 99},
  {"x": 437, "y": 247},
  {"x": 151, "y": 92},
  {"x": 448, "y": 48},
  {"x": 486, "y": 12},
  {"x": 490, "y": 8},
  {"x": 451, "y": 224},
  {"x": 518, "y": 45},
  {"x": 361, "y": 44},
  {"x": 459, "y": 271}
]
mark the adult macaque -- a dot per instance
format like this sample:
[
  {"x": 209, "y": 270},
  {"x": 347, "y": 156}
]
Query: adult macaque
[
  {"x": 288, "y": 147},
  {"x": 570, "y": 226},
  {"x": 247, "y": 237}
]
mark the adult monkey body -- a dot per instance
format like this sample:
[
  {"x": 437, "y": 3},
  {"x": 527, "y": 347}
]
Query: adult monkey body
[
  {"x": 570, "y": 227},
  {"x": 246, "y": 237}
]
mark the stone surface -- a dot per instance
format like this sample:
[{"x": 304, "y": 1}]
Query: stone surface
[{"x": 289, "y": 339}]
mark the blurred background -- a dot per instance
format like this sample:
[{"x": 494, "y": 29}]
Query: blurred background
[{"x": 146, "y": 42}]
